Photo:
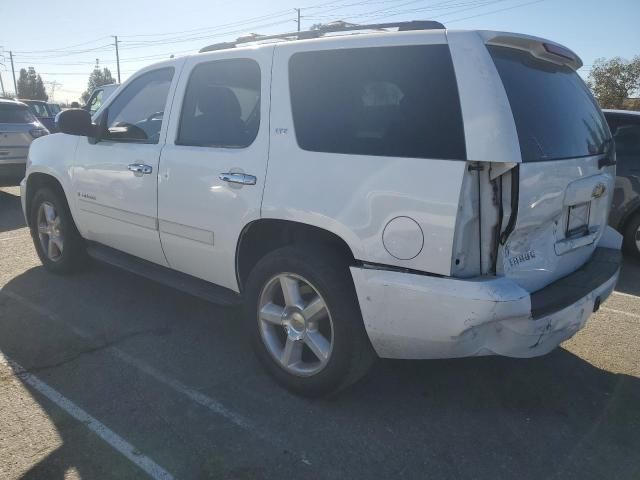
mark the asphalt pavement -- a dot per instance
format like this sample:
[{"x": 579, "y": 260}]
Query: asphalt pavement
[{"x": 107, "y": 375}]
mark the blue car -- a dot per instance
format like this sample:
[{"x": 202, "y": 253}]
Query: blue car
[{"x": 43, "y": 112}]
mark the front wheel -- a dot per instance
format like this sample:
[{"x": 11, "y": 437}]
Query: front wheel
[
  {"x": 307, "y": 328},
  {"x": 55, "y": 237}
]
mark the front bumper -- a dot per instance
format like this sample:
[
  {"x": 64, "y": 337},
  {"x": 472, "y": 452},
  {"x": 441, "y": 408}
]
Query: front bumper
[{"x": 417, "y": 316}]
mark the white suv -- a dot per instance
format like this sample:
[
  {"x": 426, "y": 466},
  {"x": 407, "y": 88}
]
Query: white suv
[{"x": 425, "y": 193}]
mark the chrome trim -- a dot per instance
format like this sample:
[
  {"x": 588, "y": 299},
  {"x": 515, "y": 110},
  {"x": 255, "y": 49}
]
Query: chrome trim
[
  {"x": 239, "y": 178},
  {"x": 140, "y": 169}
]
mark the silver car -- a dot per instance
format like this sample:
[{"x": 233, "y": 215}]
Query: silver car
[{"x": 18, "y": 128}]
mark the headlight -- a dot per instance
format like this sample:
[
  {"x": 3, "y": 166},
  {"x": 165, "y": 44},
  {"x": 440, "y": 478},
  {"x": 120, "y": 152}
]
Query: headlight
[{"x": 39, "y": 132}]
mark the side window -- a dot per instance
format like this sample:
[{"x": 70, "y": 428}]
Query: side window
[
  {"x": 221, "y": 105},
  {"x": 136, "y": 114},
  {"x": 96, "y": 101},
  {"x": 386, "y": 101}
]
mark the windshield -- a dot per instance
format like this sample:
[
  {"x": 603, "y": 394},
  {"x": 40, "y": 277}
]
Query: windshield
[
  {"x": 555, "y": 114},
  {"x": 54, "y": 108},
  {"x": 40, "y": 109},
  {"x": 15, "y": 114}
]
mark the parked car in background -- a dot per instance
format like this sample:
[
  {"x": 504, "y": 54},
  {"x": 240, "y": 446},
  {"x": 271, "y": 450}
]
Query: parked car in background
[
  {"x": 625, "y": 212},
  {"x": 18, "y": 128},
  {"x": 43, "y": 113},
  {"x": 414, "y": 194},
  {"x": 99, "y": 96},
  {"x": 54, "y": 108}
]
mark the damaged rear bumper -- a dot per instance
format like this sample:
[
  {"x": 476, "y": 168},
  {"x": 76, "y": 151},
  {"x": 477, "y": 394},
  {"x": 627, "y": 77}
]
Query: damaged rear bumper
[{"x": 416, "y": 316}]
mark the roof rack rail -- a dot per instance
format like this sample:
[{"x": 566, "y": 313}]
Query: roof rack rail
[{"x": 339, "y": 27}]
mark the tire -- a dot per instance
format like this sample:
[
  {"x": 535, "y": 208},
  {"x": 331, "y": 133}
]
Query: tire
[
  {"x": 319, "y": 273},
  {"x": 68, "y": 252},
  {"x": 632, "y": 236}
]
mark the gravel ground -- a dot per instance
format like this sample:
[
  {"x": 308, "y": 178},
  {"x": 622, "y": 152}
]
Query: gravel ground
[{"x": 107, "y": 375}]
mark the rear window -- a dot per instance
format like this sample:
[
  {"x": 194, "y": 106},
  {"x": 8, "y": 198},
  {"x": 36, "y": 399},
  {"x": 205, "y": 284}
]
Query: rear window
[
  {"x": 555, "y": 114},
  {"x": 386, "y": 101},
  {"x": 15, "y": 114}
]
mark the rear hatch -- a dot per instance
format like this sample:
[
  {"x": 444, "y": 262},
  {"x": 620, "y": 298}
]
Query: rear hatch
[
  {"x": 16, "y": 124},
  {"x": 560, "y": 193}
]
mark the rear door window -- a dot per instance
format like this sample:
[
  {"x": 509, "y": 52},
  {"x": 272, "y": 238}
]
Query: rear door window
[
  {"x": 15, "y": 114},
  {"x": 385, "y": 101},
  {"x": 555, "y": 114}
]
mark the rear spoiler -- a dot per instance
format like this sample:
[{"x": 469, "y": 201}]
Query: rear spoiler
[{"x": 538, "y": 47}]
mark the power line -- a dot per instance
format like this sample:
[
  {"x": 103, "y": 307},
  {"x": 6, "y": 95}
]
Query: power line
[
  {"x": 495, "y": 11},
  {"x": 62, "y": 48}
]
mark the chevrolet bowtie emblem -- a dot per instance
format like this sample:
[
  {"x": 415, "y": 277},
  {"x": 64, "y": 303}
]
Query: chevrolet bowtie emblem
[{"x": 599, "y": 190}]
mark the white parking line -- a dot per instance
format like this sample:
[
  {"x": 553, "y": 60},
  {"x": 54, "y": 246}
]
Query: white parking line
[
  {"x": 628, "y": 295},
  {"x": 105, "y": 433},
  {"x": 621, "y": 312},
  {"x": 200, "y": 398},
  {"x": 14, "y": 237}
]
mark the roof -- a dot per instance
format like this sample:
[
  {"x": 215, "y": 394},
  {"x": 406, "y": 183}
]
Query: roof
[
  {"x": 632, "y": 113},
  {"x": 27, "y": 100},
  {"x": 10, "y": 101},
  {"x": 335, "y": 27}
]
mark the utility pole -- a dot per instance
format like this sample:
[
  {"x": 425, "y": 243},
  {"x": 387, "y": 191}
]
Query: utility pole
[
  {"x": 13, "y": 70},
  {"x": 117, "y": 56},
  {"x": 298, "y": 11},
  {"x": 2, "y": 65}
]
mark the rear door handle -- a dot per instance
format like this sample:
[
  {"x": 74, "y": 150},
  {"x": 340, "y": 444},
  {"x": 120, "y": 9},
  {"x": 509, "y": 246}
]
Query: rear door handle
[
  {"x": 239, "y": 178},
  {"x": 140, "y": 169}
]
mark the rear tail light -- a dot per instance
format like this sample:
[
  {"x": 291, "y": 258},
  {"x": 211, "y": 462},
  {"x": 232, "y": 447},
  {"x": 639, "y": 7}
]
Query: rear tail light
[
  {"x": 559, "y": 51},
  {"x": 39, "y": 132}
]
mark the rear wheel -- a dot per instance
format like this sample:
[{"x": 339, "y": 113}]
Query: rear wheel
[
  {"x": 57, "y": 241},
  {"x": 632, "y": 236},
  {"x": 301, "y": 306}
]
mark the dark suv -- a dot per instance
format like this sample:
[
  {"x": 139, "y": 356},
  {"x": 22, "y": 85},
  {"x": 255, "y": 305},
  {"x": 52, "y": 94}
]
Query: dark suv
[{"x": 625, "y": 212}]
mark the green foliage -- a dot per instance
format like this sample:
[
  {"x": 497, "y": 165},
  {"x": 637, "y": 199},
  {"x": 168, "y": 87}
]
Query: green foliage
[
  {"x": 97, "y": 78},
  {"x": 30, "y": 85},
  {"x": 613, "y": 81}
]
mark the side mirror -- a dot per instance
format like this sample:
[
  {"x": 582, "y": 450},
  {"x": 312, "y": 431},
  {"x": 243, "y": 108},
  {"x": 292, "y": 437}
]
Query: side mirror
[{"x": 75, "y": 121}]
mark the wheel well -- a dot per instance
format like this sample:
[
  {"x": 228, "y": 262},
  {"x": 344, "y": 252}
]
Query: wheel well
[
  {"x": 629, "y": 217},
  {"x": 263, "y": 236},
  {"x": 37, "y": 181}
]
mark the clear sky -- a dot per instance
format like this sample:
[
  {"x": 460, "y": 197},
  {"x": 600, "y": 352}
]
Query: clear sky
[{"x": 63, "y": 38}]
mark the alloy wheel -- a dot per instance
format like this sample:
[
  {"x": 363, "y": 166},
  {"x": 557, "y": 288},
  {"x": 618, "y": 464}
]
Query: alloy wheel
[
  {"x": 295, "y": 324},
  {"x": 50, "y": 231}
]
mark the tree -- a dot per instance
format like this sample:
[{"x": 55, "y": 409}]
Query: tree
[
  {"x": 615, "y": 80},
  {"x": 30, "y": 85},
  {"x": 97, "y": 78}
]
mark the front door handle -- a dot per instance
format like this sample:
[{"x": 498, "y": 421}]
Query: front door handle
[
  {"x": 240, "y": 178},
  {"x": 140, "y": 169}
]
